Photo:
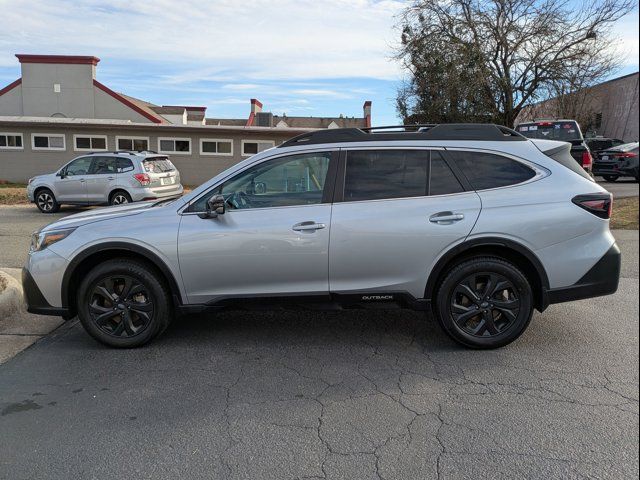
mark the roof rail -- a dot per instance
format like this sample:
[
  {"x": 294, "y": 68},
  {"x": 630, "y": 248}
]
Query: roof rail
[{"x": 442, "y": 131}]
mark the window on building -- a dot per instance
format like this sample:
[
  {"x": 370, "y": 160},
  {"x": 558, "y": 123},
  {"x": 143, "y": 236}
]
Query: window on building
[
  {"x": 486, "y": 170},
  {"x": 251, "y": 147},
  {"x": 174, "y": 145},
  {"x": 213, "y": 146},
  {"x": 380, "y": 174},
  {"x": 92, "y": 142},
  {"x": 10, "y": 141},
  {"x": 134, "y": 144},
  {"x": 45, "y": 141}
]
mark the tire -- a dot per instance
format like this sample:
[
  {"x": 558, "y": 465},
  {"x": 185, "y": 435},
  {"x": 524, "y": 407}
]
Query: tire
[
  {"x": 610, "y": 178},
  {"x": 46, "y": 201},
  {"x": 119, "y": 197},
  {"x": 491, "y": 326},
  {"x": 132, "y": 320}
]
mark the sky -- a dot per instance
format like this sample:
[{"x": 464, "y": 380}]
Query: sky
[{"x": 299, "y": 57}]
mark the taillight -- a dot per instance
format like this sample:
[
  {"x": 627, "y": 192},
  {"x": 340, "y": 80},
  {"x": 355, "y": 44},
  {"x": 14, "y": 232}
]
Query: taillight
[
  {"x": 587, "y": 160},
  {"x": 143, "y": 178},
  {"x": 599, "y": 204},
  {"x": 625, "y": 155}
]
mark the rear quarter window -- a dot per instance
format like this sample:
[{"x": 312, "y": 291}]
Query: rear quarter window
[{"x": 488, "y": 170}]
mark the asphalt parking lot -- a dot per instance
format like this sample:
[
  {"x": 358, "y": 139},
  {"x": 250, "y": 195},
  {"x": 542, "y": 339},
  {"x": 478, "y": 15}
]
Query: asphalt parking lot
[{"x": 354, "y": 395}]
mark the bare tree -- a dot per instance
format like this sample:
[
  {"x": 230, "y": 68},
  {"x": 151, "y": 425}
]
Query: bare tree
[{"x": 485, "y": 60}]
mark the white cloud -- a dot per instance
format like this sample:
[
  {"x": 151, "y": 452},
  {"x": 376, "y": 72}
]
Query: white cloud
[{"x": 263, "y": 39}]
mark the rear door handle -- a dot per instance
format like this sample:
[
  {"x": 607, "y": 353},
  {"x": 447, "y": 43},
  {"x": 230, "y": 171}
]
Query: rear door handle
[
  {"x": 308, "y": 226},
  {"x": 111, "y": 178},
  {"x": 446, "y": 218}
]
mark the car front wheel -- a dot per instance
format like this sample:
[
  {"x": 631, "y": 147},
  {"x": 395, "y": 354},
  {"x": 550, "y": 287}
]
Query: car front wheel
[
  {"x": 610, "y": 178},
  {"x": 46, "y": 201},
  {"x": 124, "y": 303},
  {"x": 484, "y": 302}
]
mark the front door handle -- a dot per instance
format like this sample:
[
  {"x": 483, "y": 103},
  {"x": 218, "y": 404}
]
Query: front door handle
[
  {"x": 446, "y": 218},
  {"x": 111, "y": 178},
  {"x": 308, "y": 226}
]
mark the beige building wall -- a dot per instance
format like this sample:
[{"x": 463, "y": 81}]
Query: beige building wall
[
  {"x": 11, "y": 102},
  {"x": 611, "y": 107},
  {"x": 195, "y": 168}
]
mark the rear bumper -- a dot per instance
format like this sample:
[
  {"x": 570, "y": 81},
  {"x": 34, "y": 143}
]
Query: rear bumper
[
  {"x": 157, "y": 193},
  {"x": 33, "y": 297},
  {"x": 601, "y": 279},
  {"x": 609, "y": 169}
]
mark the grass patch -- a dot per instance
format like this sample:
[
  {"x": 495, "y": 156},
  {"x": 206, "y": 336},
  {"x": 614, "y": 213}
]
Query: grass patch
[
  {"x": 13, "y": 195},
  {"x": 4, "y": 184},
  {"x": 625, "y": 214}
]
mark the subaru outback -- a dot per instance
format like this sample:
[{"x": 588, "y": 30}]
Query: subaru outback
[
  {"x": 474, "y": 223},
  {"x": 106, "y": 178}
]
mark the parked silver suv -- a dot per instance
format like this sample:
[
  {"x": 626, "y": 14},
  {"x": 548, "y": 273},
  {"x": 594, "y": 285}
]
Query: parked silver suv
[
  {"x": 475, "y": 223},
  {"x": 106, "y": 178}
]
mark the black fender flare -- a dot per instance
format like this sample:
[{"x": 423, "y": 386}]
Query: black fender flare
[
  {"x": 119, "y": 245},
  {"x": 495, "y": 242}
]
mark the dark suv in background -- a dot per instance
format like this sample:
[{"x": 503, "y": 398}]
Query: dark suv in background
[
  {"x": 564, "y": 131},
  {"x": 599, "y": 144},
  {"x": 616, "y": 162}
]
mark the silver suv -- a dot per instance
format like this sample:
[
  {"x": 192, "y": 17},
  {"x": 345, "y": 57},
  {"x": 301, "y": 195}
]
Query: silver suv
[
  {"x": 106, "y": 178},
  {"x": 474, "y": 223}
]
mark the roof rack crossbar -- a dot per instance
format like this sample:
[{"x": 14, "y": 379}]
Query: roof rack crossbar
[{"x": 442, "y": 131}]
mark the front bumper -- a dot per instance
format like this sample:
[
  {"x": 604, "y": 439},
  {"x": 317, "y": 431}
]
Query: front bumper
[
  {"x": 601, "y": 279},
  {"x": 35, "y": 301}
]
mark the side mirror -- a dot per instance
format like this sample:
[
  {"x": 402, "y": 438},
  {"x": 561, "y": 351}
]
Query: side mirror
[
  {"x": 215, "y": 207},
  {"x": 61, "y": 174}
]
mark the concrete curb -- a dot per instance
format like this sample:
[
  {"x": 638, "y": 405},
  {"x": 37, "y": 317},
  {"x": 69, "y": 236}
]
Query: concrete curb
[{"x": 19, "y": 329}]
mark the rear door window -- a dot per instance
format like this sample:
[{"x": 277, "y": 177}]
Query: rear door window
[
  {"x": 386, "y": 174},
  {"x": 442, "y": 181},
  {"x": 382, "y": 174},
  {"x": 103, "y": 165},
  {"x": 488, "y": 170}
]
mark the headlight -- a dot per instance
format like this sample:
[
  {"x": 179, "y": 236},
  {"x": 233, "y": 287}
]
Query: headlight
[{"x": 41, "y": 240}]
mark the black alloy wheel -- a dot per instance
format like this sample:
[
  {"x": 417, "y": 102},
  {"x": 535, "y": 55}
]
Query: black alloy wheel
[
  {"x": 484, "y": 302},
  {"x": 121, "y": 306},
  {"x": 124, "y": 303}
]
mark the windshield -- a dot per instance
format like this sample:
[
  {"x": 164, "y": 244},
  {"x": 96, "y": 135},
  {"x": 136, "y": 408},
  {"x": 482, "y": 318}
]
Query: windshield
[
  {"x": 157, "y": 165},
  {"x": 563, "y": 131}
]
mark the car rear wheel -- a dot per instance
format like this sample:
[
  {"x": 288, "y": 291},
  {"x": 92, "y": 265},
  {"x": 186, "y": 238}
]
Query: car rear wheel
[
  {"x": 119, "y": 197},
  {"x": 123, "y": 303},
  {"x": 484, "y": 302},
  {"x": 46, "y": 201},
  {"x": 610, "y": 178}
]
